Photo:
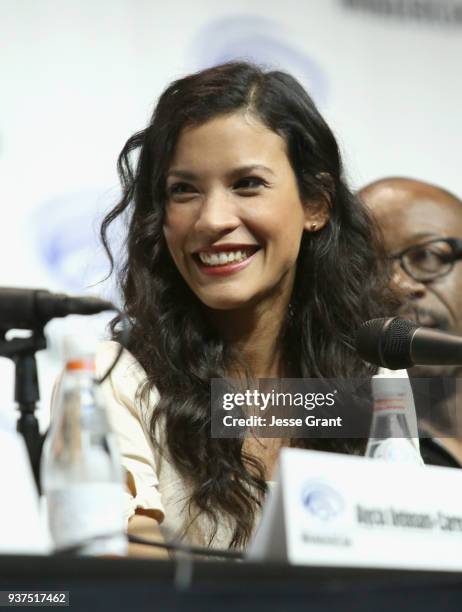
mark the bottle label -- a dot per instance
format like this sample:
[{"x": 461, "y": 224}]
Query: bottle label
[
  {"x": 90, "y": 516},
  {"x": 390, "y": 405}
]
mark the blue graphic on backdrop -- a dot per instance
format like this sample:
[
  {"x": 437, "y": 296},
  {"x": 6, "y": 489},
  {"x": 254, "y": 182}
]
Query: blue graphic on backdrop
[
  {"x": 262, "y": 41},
  {"x": 65, "y": 233}
]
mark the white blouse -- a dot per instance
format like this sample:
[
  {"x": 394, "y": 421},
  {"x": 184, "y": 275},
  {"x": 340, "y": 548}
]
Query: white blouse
[{"x": 154, "y": 484}]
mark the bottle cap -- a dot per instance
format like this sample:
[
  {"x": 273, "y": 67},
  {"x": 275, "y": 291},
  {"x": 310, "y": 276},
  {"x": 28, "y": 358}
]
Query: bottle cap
[{"x": 79, "y": 351}]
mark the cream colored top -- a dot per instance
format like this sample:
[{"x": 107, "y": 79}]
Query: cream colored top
[{"x": 157, "y": 484}]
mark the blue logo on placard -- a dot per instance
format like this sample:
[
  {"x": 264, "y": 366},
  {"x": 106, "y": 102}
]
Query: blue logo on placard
[
  {"x": 322, "y": 501},
  {"x": 259, "y": 40}
]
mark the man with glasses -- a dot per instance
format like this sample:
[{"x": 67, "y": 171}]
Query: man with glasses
[{"x": 422, "y": 230}]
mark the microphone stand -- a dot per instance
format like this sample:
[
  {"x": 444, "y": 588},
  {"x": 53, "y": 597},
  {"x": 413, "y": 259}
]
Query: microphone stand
[{"x": 22, "y": 352}]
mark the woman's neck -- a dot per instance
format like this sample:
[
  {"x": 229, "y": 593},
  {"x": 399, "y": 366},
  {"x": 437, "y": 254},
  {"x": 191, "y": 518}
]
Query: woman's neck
[{"x": 255, "y": 333}]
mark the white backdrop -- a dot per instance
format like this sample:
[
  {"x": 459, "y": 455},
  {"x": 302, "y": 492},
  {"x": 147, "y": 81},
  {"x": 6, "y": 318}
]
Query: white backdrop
[{"x": 78, "y": 78}]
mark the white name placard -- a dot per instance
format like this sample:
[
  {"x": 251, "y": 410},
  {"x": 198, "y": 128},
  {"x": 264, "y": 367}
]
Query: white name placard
[{"x": 336, "y": 510}]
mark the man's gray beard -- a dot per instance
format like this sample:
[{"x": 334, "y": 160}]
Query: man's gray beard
[
  {"x": 436, "y": 399},
  {"x": 433, "y": 371}
]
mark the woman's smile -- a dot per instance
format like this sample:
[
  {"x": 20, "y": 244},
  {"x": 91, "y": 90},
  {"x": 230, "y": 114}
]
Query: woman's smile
[{"x": 222, "y": 260}]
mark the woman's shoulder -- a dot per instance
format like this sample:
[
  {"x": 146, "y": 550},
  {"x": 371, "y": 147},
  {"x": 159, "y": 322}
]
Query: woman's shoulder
[
  {"x": 127, "y": 377},
  {"x": 108, "y": 351}
]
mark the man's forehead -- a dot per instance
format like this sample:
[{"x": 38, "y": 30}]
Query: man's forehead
[
  {"x": 399, "y": 204},
  {"x": 408, "y": 214}
]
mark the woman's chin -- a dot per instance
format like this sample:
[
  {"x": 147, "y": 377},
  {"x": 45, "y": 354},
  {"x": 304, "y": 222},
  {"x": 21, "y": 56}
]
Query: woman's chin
[
  {"x": 225, "y": 305},
  {"x": 224, "y": 302}
]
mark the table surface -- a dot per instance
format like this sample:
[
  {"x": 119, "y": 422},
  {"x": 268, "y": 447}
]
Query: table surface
[{"x": 128, "y": 584}]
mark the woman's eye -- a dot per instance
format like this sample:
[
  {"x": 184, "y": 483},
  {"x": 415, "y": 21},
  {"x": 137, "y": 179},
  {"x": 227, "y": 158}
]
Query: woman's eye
[
  {"x": 249, "y": 183},
  {"x": 181, "y": 189}
]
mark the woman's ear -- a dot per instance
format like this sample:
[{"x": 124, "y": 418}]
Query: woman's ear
[{"x": 317, "y": 211}]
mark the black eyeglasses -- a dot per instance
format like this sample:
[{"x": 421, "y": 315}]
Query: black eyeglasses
[{"x": 429, "y": 260}]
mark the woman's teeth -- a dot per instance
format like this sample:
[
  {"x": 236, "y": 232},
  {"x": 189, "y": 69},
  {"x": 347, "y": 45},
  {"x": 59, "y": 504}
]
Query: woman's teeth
[{"x": 221, "y": 259}]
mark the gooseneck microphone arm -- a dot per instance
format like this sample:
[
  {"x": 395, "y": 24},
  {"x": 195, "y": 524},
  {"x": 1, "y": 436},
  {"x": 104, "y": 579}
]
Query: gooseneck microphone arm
[
  {"x": 26, "y": 391},
  {"x": 31, "y": 309}
]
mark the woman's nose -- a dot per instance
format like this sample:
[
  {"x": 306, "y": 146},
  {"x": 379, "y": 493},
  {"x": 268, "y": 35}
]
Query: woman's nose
[{"x": 217, "y": 214}]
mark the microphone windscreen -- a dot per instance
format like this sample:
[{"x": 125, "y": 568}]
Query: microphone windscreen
[
  {"x": 386, "y": 342},
  {"x": 396, "y": 344},
  {"x": 368, "y": 340}
]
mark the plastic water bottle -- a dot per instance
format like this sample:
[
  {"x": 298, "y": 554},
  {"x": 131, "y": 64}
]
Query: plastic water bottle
[
  {"x": 390, "y": 437},
  {"x": 82, "y": 477}
]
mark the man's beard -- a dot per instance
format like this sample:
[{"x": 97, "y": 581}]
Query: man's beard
[
  {"x": 428, "y": 318},
  {"x": 427, "y": 371}
]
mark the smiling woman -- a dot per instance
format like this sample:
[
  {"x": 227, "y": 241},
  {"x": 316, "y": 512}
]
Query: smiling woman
[{"x": 247, "y": 256}]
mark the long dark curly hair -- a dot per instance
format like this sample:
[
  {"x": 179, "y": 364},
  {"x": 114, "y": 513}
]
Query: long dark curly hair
[{"x": 339, "y": 281}]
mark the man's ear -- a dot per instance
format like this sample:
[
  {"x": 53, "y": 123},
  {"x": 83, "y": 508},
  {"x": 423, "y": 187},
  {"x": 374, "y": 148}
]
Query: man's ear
[{"x": 317, "y": 211}]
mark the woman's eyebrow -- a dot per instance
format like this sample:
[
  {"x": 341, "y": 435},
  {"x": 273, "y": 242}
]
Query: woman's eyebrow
[
  {"x": 249, "y": 168},
  {"x": 190, "y": 176},
  {"x": 184, "y": 174}
]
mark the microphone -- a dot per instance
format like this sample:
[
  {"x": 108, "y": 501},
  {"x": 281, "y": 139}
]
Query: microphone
[
  {"x": 32, "y": 308},
  {"x": 399, "y": 344}
]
